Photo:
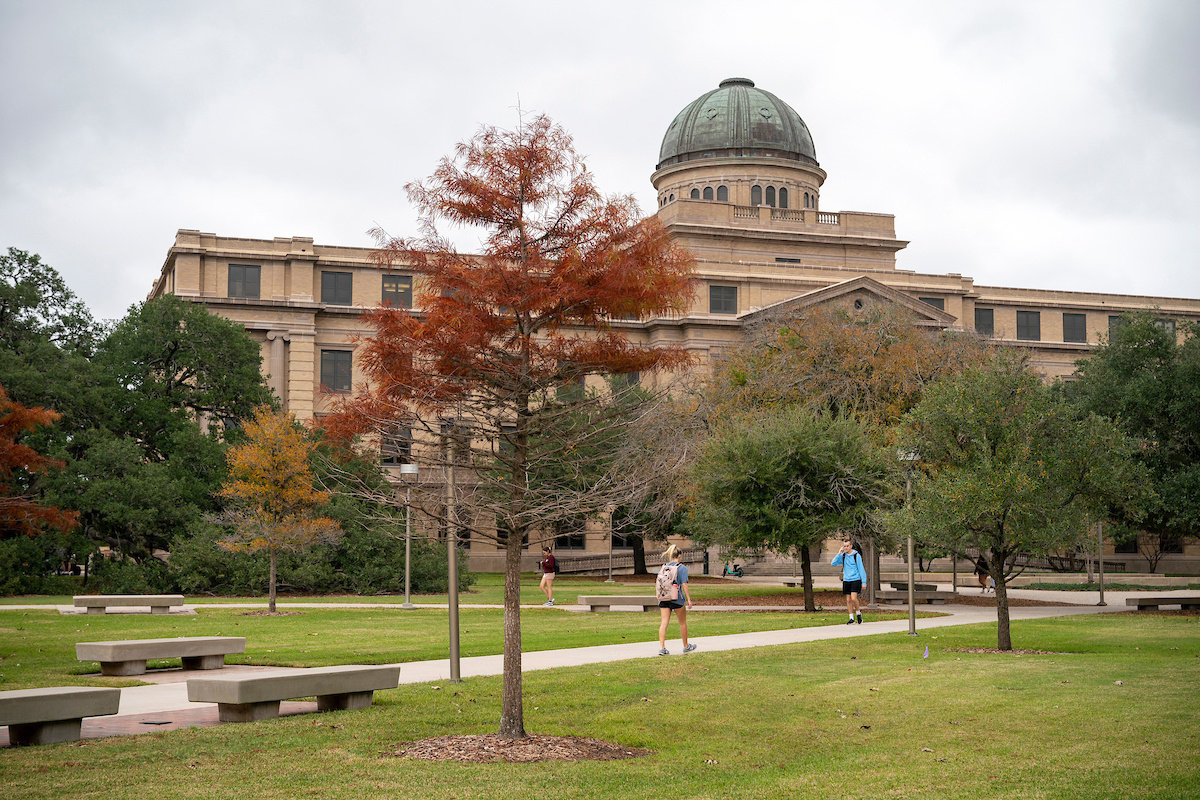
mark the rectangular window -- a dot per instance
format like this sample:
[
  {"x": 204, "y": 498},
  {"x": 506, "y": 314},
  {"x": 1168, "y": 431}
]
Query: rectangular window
[
  {"x": 244, "y": 280},
  {"x": 1170, "y": 543},
  {"x": 337, "y": 288},
  {"x": 1166, "y": 326},
  {"x": 395, "y": 447},
  {"x": 569, "y": 534},
  {"x": 397, "y": 291},
  {"x": 1029, "y": 326},
  {"x": 1074, "y": 327},
  {"x": 1115, "y": 323},
  {"x": 1128, "y": 545},
  {"x": 937, "y": 302},
  {"x": 985, "y": 321},
  {"x": 335, "y": 370},
  {"x": 625, "y": 380},
  {"x": 722, "y": 299}
]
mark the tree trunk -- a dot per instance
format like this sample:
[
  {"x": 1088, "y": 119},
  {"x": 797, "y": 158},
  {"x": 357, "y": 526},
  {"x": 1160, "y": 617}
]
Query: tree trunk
[
  {"x": 512, "y": 710},
  {"x": 1003, "y": 626},
  {"x": 271, "y": 586},
  {"x": 639, "y": 556},
  {"x": 806, "y": 570}
]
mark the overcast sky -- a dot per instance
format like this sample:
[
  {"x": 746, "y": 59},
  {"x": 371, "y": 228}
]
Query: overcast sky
[{"x": 1044, "y": 144}]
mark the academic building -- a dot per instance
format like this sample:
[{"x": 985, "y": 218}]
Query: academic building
[{"x": 739, "y": 184}]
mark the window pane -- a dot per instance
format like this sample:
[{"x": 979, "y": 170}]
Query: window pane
[
  {"x": 722, "y": 299},
  {"x": 395, "y": 446},
  {"x": 771, "y": 196},
  {"x": 937, "y": 302},
  {"x": 397, "y": 291},
  {"x": 1074, "y": 327},
  {"x": 695, "y": 195},
  {"x": 337, "y": 288},
  {"x": 783, "y": 201},
  {"x": 1029, "y": 325},
  {"x": 1165, "y": 325},
  {"x": 708, "y": 194},
  {"x": 756, "y": 195},
  {"x": 244, "y": 280},
  {"x": 335, "y": 370},
  {"x": 985, "y": 321},
  {"x": 723, "y": 194}
]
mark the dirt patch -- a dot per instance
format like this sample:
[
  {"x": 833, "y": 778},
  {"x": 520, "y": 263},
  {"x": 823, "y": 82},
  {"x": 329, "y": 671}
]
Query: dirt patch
[
  {"x": 270, "y": 613},
  {"x": 489, "y": 747}
]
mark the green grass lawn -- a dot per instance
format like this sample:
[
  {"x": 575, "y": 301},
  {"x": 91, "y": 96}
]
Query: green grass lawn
[
  {"x": 858, "y": 718},
  {"x": 488, "y": 589},
  {"x": 37, "y": 648}
]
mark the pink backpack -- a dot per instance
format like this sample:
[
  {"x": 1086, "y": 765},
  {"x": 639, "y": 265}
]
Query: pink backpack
[{"x": 665, "y": 587}]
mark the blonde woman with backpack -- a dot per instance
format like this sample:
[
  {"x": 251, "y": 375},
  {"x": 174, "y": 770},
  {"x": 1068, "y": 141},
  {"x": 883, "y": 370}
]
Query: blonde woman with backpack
[{"x": 672, "y": 582}]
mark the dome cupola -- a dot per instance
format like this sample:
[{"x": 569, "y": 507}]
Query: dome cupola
[{"x": 737, "y": 119}]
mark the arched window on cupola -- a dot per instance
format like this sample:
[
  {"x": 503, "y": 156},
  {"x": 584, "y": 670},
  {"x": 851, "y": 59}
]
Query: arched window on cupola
[
  {"x": 722, "y": 194},
  {"x": 771, "y": 196},
  {"x": 783, "y": 201},
  {"x": 708, "y": 193},
  {"x": 695, "y": 194},
  {"x": 806, "y": 200},
  {"x": 756, "y": 195}
]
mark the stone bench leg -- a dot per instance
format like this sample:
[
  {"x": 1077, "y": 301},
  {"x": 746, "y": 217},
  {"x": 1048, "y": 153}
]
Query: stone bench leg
[
  {"x": 247, "y": 712},
  {"x": 1189, "y": 606},
  {"x": 1147, "y": 607},
  {"x": 344, "y": 702},
  {"x": 96, "y": 609},
  {"x": 204, "y": 662},
  {"x": 160, "y": 609},
  {"x": 123, "y": 667},
  {"x": 62, "y": 730}
]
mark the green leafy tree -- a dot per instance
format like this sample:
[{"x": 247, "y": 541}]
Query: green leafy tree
[
  {"x": 274, "y": 505},
  {"x": 1008, "y": 468},
  {"x": 788, "y": 480},
  {"x": 35, "y": 303},
  {"x": 1148, "y": 381}
]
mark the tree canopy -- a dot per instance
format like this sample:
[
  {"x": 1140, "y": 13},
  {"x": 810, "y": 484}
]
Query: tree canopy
[
  {"x": 1148, "y": 382},
  {"x": 1007, "y": 467},
  {"x": 497, "y": 336},
  {"x": 21, "y": 511},
  {"x": 788, "y": 480}
]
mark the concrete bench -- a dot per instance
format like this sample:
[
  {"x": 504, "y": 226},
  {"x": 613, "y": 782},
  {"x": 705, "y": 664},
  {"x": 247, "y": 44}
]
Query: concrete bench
[
  {"x": 902, "y": 586},
  {"x": 254, "y": 696},
  {"x": 44, "y": 716},
  {"x": 1186, "y": 602},
  {"x": 158, "y": 603},
  {"x": 129, "y": 657},
  {"x": 935, "y": 598},
  {"x": 606, "y": 602}
]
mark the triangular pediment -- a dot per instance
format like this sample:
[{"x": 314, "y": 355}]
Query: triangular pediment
[{"x": 857, "y": 294}]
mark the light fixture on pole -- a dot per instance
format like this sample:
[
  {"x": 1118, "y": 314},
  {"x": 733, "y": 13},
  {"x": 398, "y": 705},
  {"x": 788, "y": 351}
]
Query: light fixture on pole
[
  {"x": 1100, "y": 558},
  {"x": 908, "y": 459},
  {"x": 408, "y": 470}
]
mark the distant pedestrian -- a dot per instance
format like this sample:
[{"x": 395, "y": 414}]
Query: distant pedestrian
[
  {"x": 671, "y": 588},
  {"x": 549, "y": 567},
  {"x": 982, "y": 574},
  {"x": 854, "y": 574}
]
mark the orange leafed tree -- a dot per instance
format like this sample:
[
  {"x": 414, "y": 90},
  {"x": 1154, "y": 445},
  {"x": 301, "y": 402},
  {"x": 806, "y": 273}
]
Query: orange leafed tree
[
  {"x": 273, "y": 504},
  {"x": 20, "y": 512},
  {"x": 496, "y": 336}
]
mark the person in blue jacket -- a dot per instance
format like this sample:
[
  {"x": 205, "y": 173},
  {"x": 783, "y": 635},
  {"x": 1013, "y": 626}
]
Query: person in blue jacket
[{"x": 854, "y": 575}]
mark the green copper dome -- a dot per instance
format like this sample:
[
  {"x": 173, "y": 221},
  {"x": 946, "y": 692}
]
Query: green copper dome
[{"x": 737, "y": 119}]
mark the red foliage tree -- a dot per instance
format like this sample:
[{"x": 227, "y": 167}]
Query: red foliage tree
[
  {"x": 498, "y": 334},
  {"x": 20, "y": 512}
]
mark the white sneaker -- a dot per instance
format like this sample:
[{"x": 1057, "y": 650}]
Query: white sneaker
[
  {"x": 664, "y": 652},
  {"x": 689, "y": 648},
  {"x": 548, "y": 603}
]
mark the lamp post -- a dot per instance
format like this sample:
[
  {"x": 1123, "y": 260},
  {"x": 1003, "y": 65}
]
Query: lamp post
[
  {"x": 452, "y": 542},
  {"x": 610, "y": 549},
  {"x": 908, "y": 458},
  {"x": 1100, "y": 558},
  {"x": 409, "y": 470}
]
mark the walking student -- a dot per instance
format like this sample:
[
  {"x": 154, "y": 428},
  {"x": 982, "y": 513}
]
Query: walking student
[
  {"x": 671, "y": 588},
  {"x": 549, "y": 566},
  {"x": 854, "y": 574}
]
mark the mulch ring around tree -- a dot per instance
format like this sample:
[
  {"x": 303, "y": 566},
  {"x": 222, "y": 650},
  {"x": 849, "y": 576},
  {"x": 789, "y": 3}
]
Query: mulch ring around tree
[
  {"x": 995, "y": 651},
  {"x": 486, "y": 748},
  {"x": 270, "y": 613}
]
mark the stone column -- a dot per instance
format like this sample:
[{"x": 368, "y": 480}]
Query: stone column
[{"x": 277, "y": 367}]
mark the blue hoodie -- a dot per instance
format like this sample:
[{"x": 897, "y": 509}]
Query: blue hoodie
[{"x": 852, "y": 568}]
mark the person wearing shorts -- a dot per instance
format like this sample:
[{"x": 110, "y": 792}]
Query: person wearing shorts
[
  {"x": 549, "y": 568},
  {"x": 680, "y": 606},
  {"x": 854, "y": 574}
]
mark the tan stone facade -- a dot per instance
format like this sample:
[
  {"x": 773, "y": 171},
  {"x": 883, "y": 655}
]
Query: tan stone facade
[{"x": 754, "y": 249}]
